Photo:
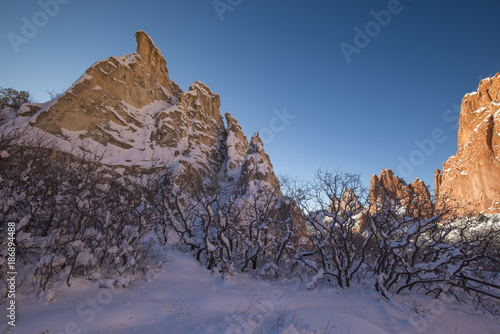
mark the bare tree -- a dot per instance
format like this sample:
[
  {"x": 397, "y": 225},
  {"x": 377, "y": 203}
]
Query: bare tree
[
  {"x": 398, "y": 243},
  {"x": 73, "y": 221},
  {"x": 339, "y": 251},
  {"x": 226, "y": 228}
]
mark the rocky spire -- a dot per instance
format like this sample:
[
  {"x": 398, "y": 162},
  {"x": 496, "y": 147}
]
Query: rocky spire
[
  {"x": 149, "y": 52},
  {"x": 388, "y": 189},
  {"x": 100, "y": 100},
  {"x": 257, "y": 167},
  {"x": 130, "y": 108},
  {"x": 236, "y": 145},
  {"x": 472, "y": 175}
]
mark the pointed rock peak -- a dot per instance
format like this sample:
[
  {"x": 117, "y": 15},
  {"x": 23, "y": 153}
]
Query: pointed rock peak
[
  {"x": 256, "y": 145},
  {"x": 417, "y": 182},
  {"x": 437, "y": 182},
  {"x": 236, "y": 139},
  {"x": 374, "y": 180},
  {"x": 386, "y": 181},
  {"x": 145, "y": 44},
  {"x": 387, "y": 177},
  {"x": 256, "y": 139},
  {"x": 232, "y": 125},
  {"x": 486, "y": 82},
  {"x": 386, "y": 173},
  {"x": 230, "y": 120},
  {"x": 200, "y": 87},
  {"x": 148, "y": 51}
]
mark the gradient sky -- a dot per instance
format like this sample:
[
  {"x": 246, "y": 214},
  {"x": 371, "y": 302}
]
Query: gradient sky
[{"x": 402, "y": 87}]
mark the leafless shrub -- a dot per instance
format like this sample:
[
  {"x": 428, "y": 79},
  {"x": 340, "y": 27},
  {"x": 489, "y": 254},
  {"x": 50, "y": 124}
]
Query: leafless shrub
[
  {"x": 398, "y": 247},
  {"x": 72, "y": 222}
]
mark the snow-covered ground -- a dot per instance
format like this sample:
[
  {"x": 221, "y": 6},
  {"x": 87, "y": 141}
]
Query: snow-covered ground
[{"x": 185, "y": 298}]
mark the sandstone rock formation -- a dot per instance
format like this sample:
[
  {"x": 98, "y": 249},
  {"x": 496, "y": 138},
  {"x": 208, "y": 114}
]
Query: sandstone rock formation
[
  {"x": 247, "y": 160},
  {"x": 388, "y": 189},
  {"x": 108, "y": 91},
  {"x": 472, "y": 175},
  {"x": 129, "y": 109},
  {"x": 257, "y": 168}
]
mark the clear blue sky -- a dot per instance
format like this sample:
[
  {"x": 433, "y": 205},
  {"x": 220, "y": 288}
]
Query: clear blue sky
[{"x": 264, "y": 55}]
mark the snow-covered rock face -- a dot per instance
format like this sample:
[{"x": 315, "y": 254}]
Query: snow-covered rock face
[
  {"x": 472, "y": 175},
  {"x": 257, "y": 168},
  {"x": 237, "y": 146},
  {"x": 130, "y": 110},
  {"x": 103, "y": 97}
]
